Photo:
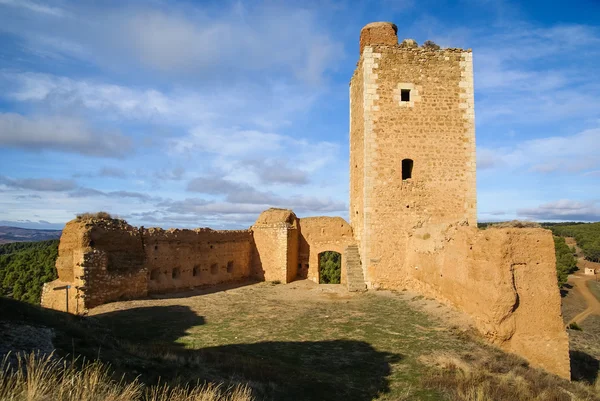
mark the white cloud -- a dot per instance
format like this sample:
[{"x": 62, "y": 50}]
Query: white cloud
[
  {"x": 38, "y": 184},
  {"x": 188, "y": 39},
  {"x": 34, "y": 6},
  {"x": 521, "y": 74},
  {"x": 60, "y": 134},
  {"x": 268, "y": 105},
  {"x": 255, "y": 39},
  {"x": 571, "y": 154},
  {"x": 565, "y": 210}
]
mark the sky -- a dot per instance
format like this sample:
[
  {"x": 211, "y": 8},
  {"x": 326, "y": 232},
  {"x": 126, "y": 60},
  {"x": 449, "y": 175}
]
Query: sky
[{"x": 205, "y": 113}]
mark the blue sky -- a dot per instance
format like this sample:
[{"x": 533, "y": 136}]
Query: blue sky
[{"x": 204, "y": 113}]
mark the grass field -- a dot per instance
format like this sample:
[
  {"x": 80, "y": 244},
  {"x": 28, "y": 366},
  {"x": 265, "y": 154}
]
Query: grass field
[{"x": 304, "y": 341}]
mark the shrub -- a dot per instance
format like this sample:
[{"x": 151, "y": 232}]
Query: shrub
[
  {"x": 330, "y": 267},
  {"x": 516, "y": 224},
  {"x": 575, "y": 326},
  {"x": 97, "y": 216},
  {"x": 429, "y": 44}
]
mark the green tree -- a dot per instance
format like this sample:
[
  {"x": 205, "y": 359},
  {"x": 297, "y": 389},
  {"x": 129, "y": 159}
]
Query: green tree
[
  {"x": 565, "y": 261},
  {"x": 330, "y": 267},
  {"x": 25, "y": 267}
]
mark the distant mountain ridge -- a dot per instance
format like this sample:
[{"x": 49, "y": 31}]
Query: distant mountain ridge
[{"x": 18, "y": 234}]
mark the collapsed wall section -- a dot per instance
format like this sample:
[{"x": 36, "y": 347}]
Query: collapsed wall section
[
  {"x": 71, "y": 249},
  {"x": 104, "y": 260},
  {"x": 504, "y": 278}
]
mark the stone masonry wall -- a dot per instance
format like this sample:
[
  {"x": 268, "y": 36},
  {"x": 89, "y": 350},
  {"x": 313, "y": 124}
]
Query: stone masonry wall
[
  {"x": 431, "y": 130},
  {"x": 275, "y": 235},
  {"x": 106, "y": 260},
  {"x": 319, "y": 234},
  {"x": 419, "y": 232},
  {"x": 182, "y": 259}
]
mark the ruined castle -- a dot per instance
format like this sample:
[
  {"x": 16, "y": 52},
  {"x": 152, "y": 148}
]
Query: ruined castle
[{"x": 412, "y": 218}]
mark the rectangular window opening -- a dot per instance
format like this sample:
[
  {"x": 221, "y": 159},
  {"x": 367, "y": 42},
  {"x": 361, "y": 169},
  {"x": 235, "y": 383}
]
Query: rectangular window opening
[{"x": 405, "y": 95}]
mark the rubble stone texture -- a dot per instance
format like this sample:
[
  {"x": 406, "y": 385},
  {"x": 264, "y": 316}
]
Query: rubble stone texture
[{"x": 412, "y": 218}]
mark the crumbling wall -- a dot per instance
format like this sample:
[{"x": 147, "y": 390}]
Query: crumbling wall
[
  {"x": 71, "y": 249},
  {"x": 113, "y": 263},
  {"x": 105, "y": 260},
  {"x": 319, "y": 234},
  {"x": 504, "y": 278},
  {"x": 182, "y": 259},
  {"x": 276, "y": 239}
]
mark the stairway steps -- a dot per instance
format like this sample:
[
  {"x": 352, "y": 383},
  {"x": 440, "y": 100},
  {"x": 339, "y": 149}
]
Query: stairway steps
[{"x": 354, "y": 273}]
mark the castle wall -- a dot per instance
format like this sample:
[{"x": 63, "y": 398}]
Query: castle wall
[
  {"x": 504, "y": 278},
  {"x": 276, "y": 239},
  {"x": 356, "y": 168},
  {"x": 106, "y": 260},
  {"x": 320, "y": 234},
  {"x": 418, "y": 231},
  {"x": 182, "y": 259},
  {"x": 71, "y": 250},
  {"x": 435, "y": 130}
]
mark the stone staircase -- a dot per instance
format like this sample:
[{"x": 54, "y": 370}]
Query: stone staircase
[{"x": 354, "y": 272}]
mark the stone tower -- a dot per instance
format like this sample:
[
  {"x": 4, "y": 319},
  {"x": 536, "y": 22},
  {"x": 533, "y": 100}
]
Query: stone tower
[{"x": 412, "y": 145}]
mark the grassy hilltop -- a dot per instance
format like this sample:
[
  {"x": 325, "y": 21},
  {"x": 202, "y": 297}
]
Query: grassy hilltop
[{"x": 263, "y": 341}]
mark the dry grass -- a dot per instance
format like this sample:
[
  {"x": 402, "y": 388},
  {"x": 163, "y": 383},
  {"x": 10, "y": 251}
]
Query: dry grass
[
  {"x": 40, "y": 378},
  {"x": 500, "y": 377},
  {"x": 95, "y": 216},
  {"x": 516, "y": 224}
]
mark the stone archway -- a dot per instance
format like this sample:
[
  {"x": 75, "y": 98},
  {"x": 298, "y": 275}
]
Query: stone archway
[{"x": 330, "y": 267}]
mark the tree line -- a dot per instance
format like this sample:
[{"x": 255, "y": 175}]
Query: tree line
[
  {"x": 25, "y": 267},
  {"x": 586, "y": 235}
]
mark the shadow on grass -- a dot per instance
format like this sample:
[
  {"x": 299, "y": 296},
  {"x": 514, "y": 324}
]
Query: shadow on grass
[
  {"x": 203, "y": 289},
  {"x": 584, "y": 367},
  {"x": 158, "y": 325},
  {"x": 308, "y": 370}
]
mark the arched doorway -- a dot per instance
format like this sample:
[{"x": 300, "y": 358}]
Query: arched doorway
[{"x": 330, "y": 267}]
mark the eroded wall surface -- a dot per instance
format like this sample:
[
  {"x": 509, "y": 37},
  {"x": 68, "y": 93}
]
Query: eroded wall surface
[
  {"x": 320, "y": 234},
  {"x": 504, "y": 278},
  {"x": 105, "y": 260}
]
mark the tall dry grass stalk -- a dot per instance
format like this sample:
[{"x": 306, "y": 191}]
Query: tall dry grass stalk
[{"x": 44, "y": 377}]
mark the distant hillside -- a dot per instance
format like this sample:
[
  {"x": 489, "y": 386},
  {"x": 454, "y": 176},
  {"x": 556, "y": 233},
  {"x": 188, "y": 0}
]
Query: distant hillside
[{"x": 17, "y": 234}]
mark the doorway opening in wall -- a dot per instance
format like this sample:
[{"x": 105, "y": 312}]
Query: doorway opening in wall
[{"x": 330, "y": 267}]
